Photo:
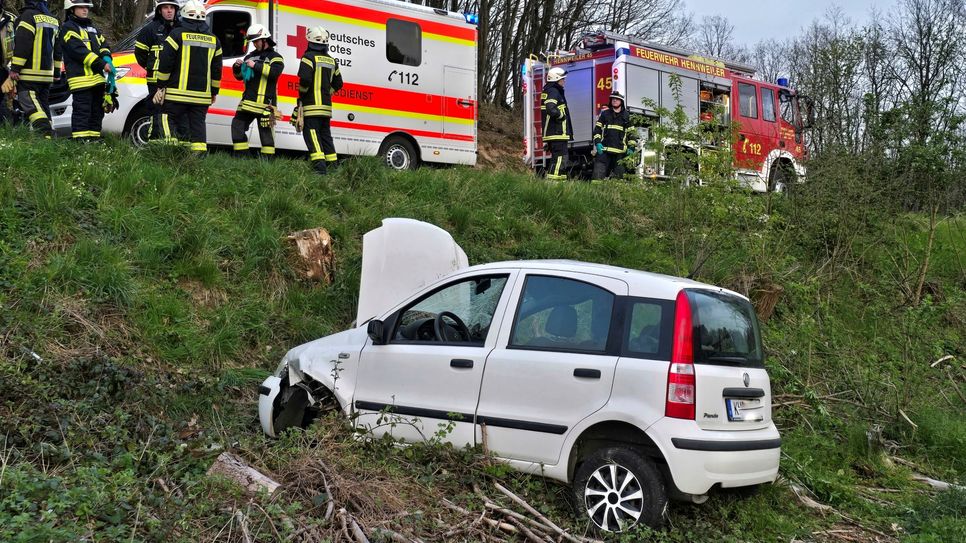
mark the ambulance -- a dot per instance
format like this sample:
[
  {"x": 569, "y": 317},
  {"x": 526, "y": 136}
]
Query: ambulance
[
  {"x": 771, "y": 119},
  {"x": 409, "y": 72}
]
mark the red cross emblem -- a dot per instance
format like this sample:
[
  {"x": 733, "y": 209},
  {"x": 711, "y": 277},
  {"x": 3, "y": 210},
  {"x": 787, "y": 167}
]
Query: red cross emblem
[{"x": 298, "y": 41}]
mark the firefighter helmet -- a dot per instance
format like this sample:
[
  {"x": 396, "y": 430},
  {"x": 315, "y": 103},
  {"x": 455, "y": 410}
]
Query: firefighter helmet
[
  {"x": 193, "y": 9},
  {"x": 318, "y": 35},
  {"x": 257, "y": 32},
  {"x": 556, "y": 74},
  {"x": 160, "y": 3},
  {"x": 617, "y": 95},
  {"x": 68, "y": 4}
]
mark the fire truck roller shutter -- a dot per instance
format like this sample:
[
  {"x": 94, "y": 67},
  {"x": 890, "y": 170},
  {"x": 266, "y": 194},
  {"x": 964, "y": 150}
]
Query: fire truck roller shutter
[
  {"x": 579, "y": 91},
  {"x": 641, "y": 83},
  {"x": 689, "y": 96}
]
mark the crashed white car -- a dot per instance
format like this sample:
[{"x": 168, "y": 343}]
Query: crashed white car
[{"x": 631, "y": 386}]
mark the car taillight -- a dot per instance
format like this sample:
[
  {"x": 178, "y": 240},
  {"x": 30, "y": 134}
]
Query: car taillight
[{"x": 680, "y": 376}]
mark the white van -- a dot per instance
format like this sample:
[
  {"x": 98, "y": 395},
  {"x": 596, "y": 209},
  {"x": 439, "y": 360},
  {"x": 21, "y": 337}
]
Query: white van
[{"x": 409, "y": 72}]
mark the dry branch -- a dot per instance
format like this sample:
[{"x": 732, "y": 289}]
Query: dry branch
[{"x": 234, "y": 468}]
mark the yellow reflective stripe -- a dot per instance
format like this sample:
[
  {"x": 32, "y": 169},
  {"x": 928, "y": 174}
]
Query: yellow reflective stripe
[
  {"x": 27, "y": 26},
  {"x": 216, "y": 83},
  {"x": 185, "y": 59},
  {"x": 315, "y": 146},
  {"x": 71, "y": 34},
  {"x": 39, "y": 113},
  {"x": 331, "y": 158},
  {"x": 139, "y": 45},
  {"x": 243, "y": 146},
  {"x": 615, "y": 127},
  {"x": 268, "y": 150},
  {"x": 173, "y": 43},
  {"x": 84, "y": 81},
  {"x": 196, "y": 146},
  {"x": 161, "y": 76},
  {"x": 307, "y": 62},
  {"x": 89, "y": 59}
]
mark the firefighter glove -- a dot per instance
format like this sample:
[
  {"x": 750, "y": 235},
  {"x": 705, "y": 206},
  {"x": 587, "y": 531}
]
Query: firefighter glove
[
  {"x": 600, "y": 148},
  {"x": 630, "y": 151},
  {"x": 110, "y": 103},
  {"x": 247, "y": 72},
  {"x": 9, "y": 86}
]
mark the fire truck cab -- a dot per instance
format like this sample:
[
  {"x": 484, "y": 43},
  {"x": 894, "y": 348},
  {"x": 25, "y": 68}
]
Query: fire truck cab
[{"x": 768, "y": 143}]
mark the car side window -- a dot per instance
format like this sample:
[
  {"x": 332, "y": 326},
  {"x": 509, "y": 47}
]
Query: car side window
[
  {"x": 649, "y": 328},
  {"x": 460, "y": 312},
  {"x": 562, "y": 314}
]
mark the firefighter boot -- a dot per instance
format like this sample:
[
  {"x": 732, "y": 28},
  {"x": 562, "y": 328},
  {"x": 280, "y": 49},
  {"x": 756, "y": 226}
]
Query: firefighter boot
[{"x": 320, "y": 167}]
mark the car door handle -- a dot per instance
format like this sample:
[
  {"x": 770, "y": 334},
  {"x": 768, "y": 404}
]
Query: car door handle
[
  {"x": 587, "y": 373},
  {"x": 464, "y": 103},
  {"x": 461, "y": 363}
]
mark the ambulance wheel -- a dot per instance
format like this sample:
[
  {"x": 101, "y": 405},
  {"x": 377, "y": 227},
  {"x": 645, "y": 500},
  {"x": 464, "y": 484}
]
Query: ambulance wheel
[
  {"x": 139, "y": 130},
  {"x": 399, "y": 154}
]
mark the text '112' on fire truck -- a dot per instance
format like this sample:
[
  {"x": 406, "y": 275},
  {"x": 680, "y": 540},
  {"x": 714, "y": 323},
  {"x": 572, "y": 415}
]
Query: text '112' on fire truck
[
  {"x": 768, "y": 144},
  {"x": 409, "y": 72}
]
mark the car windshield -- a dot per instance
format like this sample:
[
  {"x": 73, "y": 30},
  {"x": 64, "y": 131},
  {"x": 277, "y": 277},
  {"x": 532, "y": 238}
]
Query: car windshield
[
  {"x": 473, "y": 301},
  {"x": 727, "y": 330}
]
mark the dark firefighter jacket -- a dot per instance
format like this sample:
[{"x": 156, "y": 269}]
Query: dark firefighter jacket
[
  {"x": 150, "y": 42},
  {"x": 614, "y": 131},
  {"x": 319, "y": 78},
  {"x": 261, "y": 90},
  {"x": 84, "y": 48},
  {"x": 556, "y": 117},
  {"x": 36, "y": 49},
  {"x": 190, "y": 67}
]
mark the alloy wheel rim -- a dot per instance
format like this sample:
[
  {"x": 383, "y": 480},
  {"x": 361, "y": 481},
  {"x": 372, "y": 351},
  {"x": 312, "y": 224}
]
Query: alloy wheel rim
[{"x": 613, "y": 498}]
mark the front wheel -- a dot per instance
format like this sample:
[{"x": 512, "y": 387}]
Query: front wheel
[
  {"x": 399, "y": 154},
  {"x": 618, "y": 490},
  {"x": 140, "y": 130}
]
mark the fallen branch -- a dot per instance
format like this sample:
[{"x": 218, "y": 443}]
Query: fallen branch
[
  {"x": 519, "y": 501},
  {"x": 955, "y": 385},
  {"x": 803, "y": 497},
  {"x": 235, "y": 469},
  {"x": 936, "y": 483},
  {"x": 941, "y": 360},
  {"x": 243, "y": 524},
  {"x": 496, "y": 524}
]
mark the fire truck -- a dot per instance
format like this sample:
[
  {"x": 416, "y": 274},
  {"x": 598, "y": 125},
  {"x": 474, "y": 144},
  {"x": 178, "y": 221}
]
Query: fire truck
[
  {"x": 409, "y": 72},
  {"x": 768, "y": 142}
]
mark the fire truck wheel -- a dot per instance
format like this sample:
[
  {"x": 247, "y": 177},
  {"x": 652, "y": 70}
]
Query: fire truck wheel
[
  {"x": 399, "y": 154},
  {"x": 781, "y": 177}
]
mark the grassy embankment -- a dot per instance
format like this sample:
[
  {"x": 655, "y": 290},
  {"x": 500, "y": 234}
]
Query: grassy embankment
[{"x": 146, "y": 293}]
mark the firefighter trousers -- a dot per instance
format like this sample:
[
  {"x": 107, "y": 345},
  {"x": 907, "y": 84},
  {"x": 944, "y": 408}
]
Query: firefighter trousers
[
  {"x": 607, "y": 164},
  {"x": 185, "y": 122},
  {"x": 318, "y": 138},
  {"x": 87, "y": 112},
  {"x": 266, "y": 133},
  {"x": 154, "y": 111},
  {"x": 34, "y": 100},
  {"x": 559, "y": 160}
]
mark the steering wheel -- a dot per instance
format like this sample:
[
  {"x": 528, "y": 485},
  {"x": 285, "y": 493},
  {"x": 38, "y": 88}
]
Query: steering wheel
[{"x": 440, "y": 327}]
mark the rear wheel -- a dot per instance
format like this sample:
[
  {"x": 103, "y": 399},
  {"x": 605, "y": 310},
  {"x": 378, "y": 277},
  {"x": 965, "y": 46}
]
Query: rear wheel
[
  {"x": 399, "y": 154},
  {"x": 618, "y": 489},
  {"x": 140, "y": 129}
]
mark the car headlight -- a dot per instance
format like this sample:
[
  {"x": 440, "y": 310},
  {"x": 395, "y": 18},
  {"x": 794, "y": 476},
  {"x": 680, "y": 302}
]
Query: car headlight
[{"x": 121, "y": 72}]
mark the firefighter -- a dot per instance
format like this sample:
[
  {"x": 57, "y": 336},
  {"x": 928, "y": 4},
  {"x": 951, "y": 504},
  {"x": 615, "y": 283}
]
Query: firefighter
[
  {"x": 36, "y": 62},
  {"x": 6, "y": 53},
  {"x": 87, "y": 59},
  {"x": 557, "y": 130},
  {"x": 319, "y": 78},
  {"x": 189, "y": 77},
  {"x": 147, "y": 52},
  {"x": 614, "y": 138},
  {"x": 259, "y": 70}
]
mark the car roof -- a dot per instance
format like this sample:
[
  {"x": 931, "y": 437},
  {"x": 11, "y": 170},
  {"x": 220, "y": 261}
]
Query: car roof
[{"x": 640, "y": 283}]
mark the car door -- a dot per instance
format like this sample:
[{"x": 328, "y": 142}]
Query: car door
[
  {"x": 553, "y": 365},
  {"x": 417, "y": 384}
]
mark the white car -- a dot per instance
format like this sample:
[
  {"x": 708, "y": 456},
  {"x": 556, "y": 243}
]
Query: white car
[{"x": 631, "y": 386}]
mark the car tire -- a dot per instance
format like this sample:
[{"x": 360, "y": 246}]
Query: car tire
[
  {"x": 617, "y": 489},
  {"x": 399, "y": 154},
  {"x": 292, "y": 408},
  {"x": 139, "y": 130}
]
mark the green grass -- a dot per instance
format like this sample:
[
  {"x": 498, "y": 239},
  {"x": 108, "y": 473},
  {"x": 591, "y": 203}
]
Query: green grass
[{"x": 156, "y": 290}]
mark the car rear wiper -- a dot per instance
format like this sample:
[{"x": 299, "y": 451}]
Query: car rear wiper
[{"x": 723, "y": 358}]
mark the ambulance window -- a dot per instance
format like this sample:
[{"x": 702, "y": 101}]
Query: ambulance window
[
  {"x": 768, "y": 104},
  {"x": 748, "y": 100},
  {"x": 230, "y": 28},
  {"x": 404, "y": 42}
]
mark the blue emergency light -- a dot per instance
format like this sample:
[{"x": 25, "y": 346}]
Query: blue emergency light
[
  {"x": 782, "y": 81},
  {"x": 472, "y": 18}
]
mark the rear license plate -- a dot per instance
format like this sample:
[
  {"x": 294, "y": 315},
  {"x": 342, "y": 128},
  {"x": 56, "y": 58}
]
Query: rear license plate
[{"x": 734, "y": 409}]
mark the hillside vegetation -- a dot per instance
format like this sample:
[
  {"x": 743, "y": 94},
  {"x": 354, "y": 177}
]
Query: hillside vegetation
[{"x": 145, "y": 294}]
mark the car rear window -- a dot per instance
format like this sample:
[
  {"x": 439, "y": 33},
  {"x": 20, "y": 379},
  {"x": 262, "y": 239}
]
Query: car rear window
[{"x": 726, "y": 330}]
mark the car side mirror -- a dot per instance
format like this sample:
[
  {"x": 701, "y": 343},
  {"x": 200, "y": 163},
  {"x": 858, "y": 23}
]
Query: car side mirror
[{"x": 376, "y": 332}]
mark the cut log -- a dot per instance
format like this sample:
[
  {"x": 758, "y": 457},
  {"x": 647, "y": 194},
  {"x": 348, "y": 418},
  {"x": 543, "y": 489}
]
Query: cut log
[
  {"x": 314, "y": 257},
  {"x": 234, "y": 468}
]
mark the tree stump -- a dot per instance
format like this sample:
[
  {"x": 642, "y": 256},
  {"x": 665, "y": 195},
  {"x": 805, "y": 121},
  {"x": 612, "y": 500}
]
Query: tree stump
[{"x": 313, "y": 255}]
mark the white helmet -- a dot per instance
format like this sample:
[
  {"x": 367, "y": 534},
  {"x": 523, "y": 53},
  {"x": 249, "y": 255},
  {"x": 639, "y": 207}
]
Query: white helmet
[
  {"x": 193, "y": 9},
  {"x": 556, "y": 74},
  {"x": 257, "y": 32},
  {"x": 77, "y": 4},
  {"x": 318, "y": 35}
]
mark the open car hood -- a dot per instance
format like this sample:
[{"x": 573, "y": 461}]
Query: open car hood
[{"x": 400, "y": 257}]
